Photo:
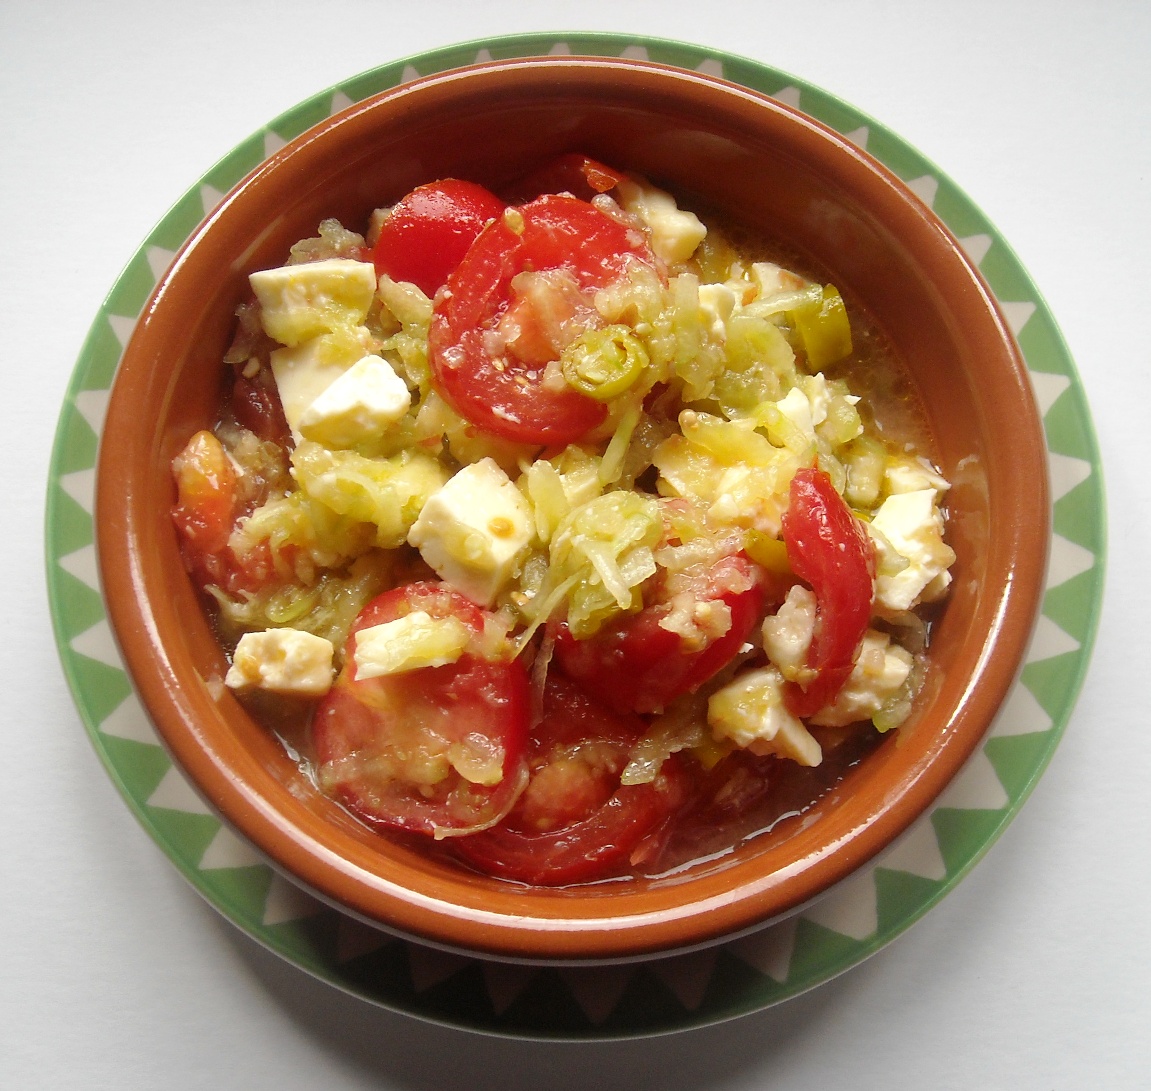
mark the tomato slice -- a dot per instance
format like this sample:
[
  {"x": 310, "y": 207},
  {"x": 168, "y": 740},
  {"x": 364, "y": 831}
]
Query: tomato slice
[
  {"x": 829, "y": 549},
  {"x": 638, "y": 665},
  {"x": 391, "y": 748},
  {"x": 575, "y": 822},
  {"x": 491, "y": 370},
  {"x": 568, "y": 173},
  {"x": 428, "y": 232}
]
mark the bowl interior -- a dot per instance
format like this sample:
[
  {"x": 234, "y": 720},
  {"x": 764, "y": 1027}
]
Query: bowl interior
[{"x": 713, "y": 145}]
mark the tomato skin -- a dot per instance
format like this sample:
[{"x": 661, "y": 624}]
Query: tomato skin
[
  {"x": 612, "y": 825},
  {"x": 429, "y": 231},
  {"x": 585, "y": 851},
  {"x": 507, "y": 397},
  {"x": 636, "y": 665},
  {"x": 586, "y": 743},
  {"x": 828, "y": 548},
  {"x": 365, "y": 731},
  {"x": 572, "y": 173}
]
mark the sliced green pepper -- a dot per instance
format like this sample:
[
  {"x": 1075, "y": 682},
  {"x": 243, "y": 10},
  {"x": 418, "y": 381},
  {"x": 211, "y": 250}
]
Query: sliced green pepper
[
  {"x": 823, "y": 328},
  {"x": 603, "y": 363},
  {"x": 769, "y": 552}
]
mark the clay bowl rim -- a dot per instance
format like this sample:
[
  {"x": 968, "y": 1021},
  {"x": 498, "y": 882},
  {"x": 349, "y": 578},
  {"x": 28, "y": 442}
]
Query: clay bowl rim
[{"x": 507, "y": 922}]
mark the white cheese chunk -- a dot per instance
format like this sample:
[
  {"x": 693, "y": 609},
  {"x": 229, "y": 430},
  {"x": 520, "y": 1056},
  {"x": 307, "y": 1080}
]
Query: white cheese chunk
[
  {"x": 413, "y": 641},
  {"x": 749, "y": 711},
  {"x": 717, "y": 301},
  {"x": 818, "y": 396},
  {"x": 304, "y": 372},
  {"x": 787, "y": 633},
  {"x": 778, "y": 289},
  {"x": 911, "y": 474},
  {"x": 911, "y": 524},
  {"x": 674, "y": 233},
  {"x": 878, "y": 675},
  {"x": 358, "y": 405},
  {"x": 474, "y": 531},
  {"x": 791, "y": 424},
  {"x": 302, "y": 301},
  {"x": 282, "y": 661}
]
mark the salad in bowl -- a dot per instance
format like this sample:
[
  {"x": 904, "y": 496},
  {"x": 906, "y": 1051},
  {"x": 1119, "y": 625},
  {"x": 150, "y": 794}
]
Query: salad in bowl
[{"x": 561, "y": 528}]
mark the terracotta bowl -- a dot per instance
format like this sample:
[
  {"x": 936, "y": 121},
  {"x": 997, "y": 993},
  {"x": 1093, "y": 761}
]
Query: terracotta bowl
[{"x": 714, "y": 145}]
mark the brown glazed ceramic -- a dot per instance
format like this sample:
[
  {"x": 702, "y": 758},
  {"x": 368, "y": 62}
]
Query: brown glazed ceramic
[{"x": 715, "y": 146}]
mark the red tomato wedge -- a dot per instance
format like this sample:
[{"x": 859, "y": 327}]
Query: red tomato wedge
[
  {"x": 390, "y": 748},
  {"x": 569, "y": 173},
  {"x": 488, "y": 345},
  {"x": 208, "y": 506},
  {"x": 428, "y": 232},
  {"x": 829, "y": 549},
  {"x": 637, "y": 665},
  {"x": 575, "y": 822}
]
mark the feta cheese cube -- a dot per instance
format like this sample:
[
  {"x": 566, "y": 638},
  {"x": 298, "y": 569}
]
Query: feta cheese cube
[
  {"x": 911, "y": 524},
  {"x": 674, "y": 233},
  {"x": 299, "y": 302},
  {"x": 818, "y": 396},
  {"x": 474, "y": 531},
  {"x": 304, "y": 372},
  {"x": 779, "y": 288},
  {"x": 284, "y": 660},
  {"x": 749, "y": 711},
  {"x": 789, "y": 422},
  {"x": 408, "y": 643},
  {"x": 787, "y": 633},
  {"x": 717, "y": 301},
  {"x": 908, "y": 474},
  {"x": 879, "y": 673},
  {"x": 358, "y": 405}
]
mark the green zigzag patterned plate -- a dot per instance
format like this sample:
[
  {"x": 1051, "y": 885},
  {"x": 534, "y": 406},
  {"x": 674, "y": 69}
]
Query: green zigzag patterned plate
[{"x": 854, "y": 920}]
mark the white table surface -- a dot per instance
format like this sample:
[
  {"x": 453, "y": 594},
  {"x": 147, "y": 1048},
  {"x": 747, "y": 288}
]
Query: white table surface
[{"x": 1032, "y": 974}]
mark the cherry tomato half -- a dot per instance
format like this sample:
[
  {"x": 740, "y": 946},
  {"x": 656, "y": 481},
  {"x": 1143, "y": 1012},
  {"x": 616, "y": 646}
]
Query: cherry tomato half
[
  {"x": 829, "y": 549},
  {"x": 575, "y": 822},
  {"x": 390, "y": 748},
  {"x": 208, "y": 507},
  {"x": 494, "y": 380},
  {"x": 637, "y": 665},
  {"x": 428, "y": 232}
]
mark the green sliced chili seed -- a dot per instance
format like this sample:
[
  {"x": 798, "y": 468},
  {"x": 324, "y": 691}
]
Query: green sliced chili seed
[{"x": 603, "y": 363}]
